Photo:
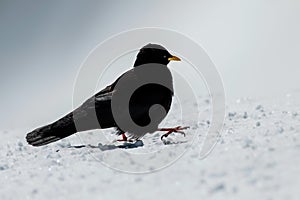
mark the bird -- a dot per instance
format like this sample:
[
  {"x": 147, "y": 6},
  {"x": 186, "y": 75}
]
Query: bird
[{"x": 99, "y": 106}]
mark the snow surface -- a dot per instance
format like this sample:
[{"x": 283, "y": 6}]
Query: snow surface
[{"x": 257, "y": 157}]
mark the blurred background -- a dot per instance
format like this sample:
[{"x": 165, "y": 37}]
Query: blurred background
[{"x": 254, "y": 44}]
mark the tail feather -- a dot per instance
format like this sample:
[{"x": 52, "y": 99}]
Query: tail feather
[
  {"x": 85, "y": 116},
  {"x": 52, "y": 132}
]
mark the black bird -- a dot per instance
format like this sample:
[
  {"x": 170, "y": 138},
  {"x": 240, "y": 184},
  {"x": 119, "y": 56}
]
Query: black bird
[{"x": 100, "y": 106}]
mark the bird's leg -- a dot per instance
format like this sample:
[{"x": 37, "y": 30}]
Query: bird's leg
[
  {"x": 124, "y": 138},
  {"x": 177, "y": 129}
]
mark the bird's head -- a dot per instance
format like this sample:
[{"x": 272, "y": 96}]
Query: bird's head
[{"x": 154, "y": 53}]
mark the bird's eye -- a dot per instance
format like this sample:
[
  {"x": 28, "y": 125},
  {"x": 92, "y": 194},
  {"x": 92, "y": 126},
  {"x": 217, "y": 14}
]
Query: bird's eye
[{"x": 165, "y": 56}]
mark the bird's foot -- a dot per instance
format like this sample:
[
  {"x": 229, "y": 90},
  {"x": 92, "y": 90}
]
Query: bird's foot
[
  {"x": 178, "y": 129},
  {"x": 124, "y": 138}
]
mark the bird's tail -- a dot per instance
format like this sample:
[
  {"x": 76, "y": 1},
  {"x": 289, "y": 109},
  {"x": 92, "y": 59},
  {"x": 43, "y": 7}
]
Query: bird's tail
[{"x": 50, "y": 133}]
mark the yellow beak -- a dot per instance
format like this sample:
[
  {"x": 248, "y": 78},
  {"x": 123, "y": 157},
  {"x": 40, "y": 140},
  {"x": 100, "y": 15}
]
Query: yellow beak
[{"x": 174, "y": 58}]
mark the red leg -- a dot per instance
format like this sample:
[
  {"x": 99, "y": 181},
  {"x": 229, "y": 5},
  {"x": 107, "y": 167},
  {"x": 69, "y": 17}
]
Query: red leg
[
  {"x": 124, "y": 138},
  {"x": 177, "y": 129}
]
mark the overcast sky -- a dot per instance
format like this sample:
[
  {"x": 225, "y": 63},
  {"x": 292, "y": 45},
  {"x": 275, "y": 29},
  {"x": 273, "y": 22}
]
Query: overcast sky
[{"x": 254, "y": 44}]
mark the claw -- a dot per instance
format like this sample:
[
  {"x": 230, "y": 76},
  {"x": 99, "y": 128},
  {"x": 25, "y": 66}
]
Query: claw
[{"x": 165, "y": 135}]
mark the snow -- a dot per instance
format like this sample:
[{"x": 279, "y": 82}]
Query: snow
[{"x": 257, "y": 157}]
